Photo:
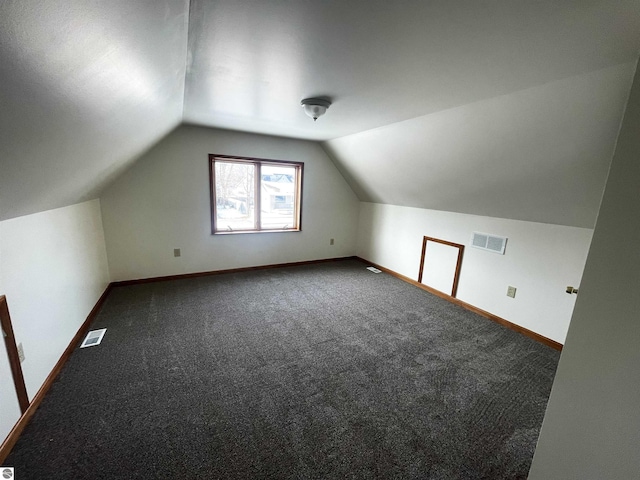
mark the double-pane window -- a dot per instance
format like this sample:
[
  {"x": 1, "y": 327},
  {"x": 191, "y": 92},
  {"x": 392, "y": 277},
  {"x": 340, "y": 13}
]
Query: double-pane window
[{"x": 254, "y": 195}]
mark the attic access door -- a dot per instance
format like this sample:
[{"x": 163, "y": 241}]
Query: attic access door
[{"x": 440, "y": 265}]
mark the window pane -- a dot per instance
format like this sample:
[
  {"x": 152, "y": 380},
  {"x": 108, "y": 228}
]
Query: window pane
[
  {"x": 277, "y": 197},
  {"x": 234, "y": 196},
  {"x": 251, "y": 194}
]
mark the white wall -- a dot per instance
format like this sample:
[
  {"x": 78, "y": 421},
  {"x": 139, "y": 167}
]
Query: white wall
[
  {"x": 163, "y": 203},
  {"x": 53, "y": 270},
  {"x": 540, "y": 260},
  {"x": 591, "y": 429}
]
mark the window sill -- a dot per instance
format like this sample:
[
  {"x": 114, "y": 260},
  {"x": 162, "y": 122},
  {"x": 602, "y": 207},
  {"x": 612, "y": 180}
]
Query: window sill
[{"x": 237, "y": 232}]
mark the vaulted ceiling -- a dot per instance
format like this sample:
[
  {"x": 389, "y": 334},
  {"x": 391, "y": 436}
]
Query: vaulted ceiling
[{"x": 502, "y": 108}]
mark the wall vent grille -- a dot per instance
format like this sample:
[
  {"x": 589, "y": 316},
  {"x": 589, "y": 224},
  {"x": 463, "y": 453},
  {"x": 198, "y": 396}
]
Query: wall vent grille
[
  {"x": 491, "y": 243},
  {"x": 93, "y": 338}
]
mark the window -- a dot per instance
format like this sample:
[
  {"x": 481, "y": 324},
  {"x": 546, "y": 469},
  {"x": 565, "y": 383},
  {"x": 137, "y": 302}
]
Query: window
[{"x": 254, "y": 195}]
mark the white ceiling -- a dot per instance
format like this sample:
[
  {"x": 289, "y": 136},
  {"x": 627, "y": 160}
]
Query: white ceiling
[
  {"x": 540, "y": 154},
  {"x": 381, "y": 61},
  {"x": 87, "y": 86}
]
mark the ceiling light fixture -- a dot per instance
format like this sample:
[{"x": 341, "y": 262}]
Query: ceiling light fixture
[{"x": 315, "y": 107}]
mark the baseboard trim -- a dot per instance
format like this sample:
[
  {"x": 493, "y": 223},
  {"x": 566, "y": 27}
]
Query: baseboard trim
[
  {"x": 506, "y": 323},
  {"x": 125, "y": 283},
  {"x": 22, "y": 422}
]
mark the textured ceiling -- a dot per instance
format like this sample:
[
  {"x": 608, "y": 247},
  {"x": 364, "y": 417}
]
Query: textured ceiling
[
  {"x": 87, "y": 86},
  {"x": 540, "y": 154},
  {"x": 252, "y": 61}
]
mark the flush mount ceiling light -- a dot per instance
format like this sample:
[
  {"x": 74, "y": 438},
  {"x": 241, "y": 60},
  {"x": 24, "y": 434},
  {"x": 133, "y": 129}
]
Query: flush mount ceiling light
[{"x": 315, "y": 107}]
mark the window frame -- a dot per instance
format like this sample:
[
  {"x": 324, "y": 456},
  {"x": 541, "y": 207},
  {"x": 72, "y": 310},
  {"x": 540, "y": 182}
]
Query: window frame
[{"x": 258, "y": 163}]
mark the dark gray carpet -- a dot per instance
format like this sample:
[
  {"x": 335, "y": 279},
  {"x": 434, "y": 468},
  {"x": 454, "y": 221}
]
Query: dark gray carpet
[{"x": 321, "y": 371}]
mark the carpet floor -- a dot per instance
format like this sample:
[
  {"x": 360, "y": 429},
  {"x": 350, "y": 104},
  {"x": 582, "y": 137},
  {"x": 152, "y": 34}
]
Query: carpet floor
[{"x": 322, "y": 371}]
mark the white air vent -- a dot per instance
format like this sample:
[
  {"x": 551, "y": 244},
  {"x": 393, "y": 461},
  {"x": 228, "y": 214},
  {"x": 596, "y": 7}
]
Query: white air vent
[
  {"x": 491, "y": 243},
  {"x": 93, "y": 338},
  {"x": 374, "y": 270}
]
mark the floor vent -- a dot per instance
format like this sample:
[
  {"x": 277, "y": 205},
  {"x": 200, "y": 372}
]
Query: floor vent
[
  {"x": 93, "y": 338},
  {"x": 374, "y": 270},
  {"x": 491, "y": 243}
]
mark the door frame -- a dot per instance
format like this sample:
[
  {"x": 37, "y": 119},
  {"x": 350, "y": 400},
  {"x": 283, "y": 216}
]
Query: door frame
[
  {"x": 456, "y": 277},
  {"x": 12, "y": 353}
]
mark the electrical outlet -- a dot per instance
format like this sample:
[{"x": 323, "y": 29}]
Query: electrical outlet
[
  {"x": 20, "y": 352},
  {"x": 511, "y": 292},
  {"x": 176, "y": 252},
  {"x": 331, "y": 241}
]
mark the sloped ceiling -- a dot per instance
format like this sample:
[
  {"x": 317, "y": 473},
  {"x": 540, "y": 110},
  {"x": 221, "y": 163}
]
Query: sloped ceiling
[
  {"x": 86, "y": 86},
  {"x": 540, "y": 154}
]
